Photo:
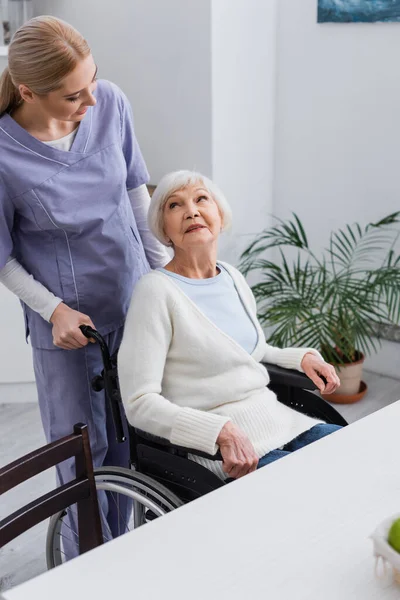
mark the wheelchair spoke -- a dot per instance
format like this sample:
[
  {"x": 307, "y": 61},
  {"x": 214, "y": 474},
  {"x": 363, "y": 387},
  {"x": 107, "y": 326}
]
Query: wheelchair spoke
[
  {"x": 63, "y": 537},
  {"x": 119, "y": 522},
  {"x": 106, "y": 538},
  {"x": 109, "y": 536},
  {"x": 112, "y": 494},
  {"x": 65, "y": 524}
]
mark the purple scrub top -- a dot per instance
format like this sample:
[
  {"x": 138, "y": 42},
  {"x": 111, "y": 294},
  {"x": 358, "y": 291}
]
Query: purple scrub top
[{"x": 67, "y": 218}]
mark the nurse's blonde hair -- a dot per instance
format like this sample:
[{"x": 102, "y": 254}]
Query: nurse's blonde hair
[{"x": 42, "y": 52}]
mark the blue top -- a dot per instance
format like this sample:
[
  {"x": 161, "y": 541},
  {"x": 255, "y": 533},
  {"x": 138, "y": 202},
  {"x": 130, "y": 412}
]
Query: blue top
[
  {"x": 66, "y": 216},
  {"x": 219, "y": 300}
]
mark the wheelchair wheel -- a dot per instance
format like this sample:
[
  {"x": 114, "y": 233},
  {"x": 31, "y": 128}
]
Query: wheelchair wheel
[{"x": 150, "y": 500}]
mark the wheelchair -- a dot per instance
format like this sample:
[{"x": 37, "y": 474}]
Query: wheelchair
[{"x": 162, "y": 477}]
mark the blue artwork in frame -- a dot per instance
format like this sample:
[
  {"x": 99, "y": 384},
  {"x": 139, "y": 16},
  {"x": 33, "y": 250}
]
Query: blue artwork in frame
[{"x": 353, "y": 11}]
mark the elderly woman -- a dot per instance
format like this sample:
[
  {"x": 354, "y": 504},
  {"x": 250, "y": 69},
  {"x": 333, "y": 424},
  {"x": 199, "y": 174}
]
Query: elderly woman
[{"x": 190, "y": 361}]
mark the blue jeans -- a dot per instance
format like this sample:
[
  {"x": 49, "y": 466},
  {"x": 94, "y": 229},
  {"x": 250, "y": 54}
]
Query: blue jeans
[{"x": 315, "y": 433}]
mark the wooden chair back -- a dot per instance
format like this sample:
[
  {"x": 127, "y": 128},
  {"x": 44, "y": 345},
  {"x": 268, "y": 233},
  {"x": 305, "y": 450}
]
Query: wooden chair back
[{"x": 82, "y": 490}]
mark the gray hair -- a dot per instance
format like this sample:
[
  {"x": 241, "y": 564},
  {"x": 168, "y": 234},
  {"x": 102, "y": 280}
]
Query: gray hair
[{"x": 173, "y": 182}]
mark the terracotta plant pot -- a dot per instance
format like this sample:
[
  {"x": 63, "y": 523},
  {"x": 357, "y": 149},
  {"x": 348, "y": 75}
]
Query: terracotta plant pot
[
  {"x": 351, "y": 388},
  {"x": 346, "y": 398},
  {"x": 350, "y": 377}
]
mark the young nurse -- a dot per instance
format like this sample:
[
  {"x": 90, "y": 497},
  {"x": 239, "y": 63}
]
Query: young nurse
[{"x": 73, "y": 222}]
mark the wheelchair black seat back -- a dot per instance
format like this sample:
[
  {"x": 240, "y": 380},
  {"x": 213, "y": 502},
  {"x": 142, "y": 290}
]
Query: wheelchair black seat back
[{"x": 168, "y": 463}]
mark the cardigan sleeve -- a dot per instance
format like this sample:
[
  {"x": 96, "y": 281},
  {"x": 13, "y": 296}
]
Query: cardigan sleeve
[
  {"x": 142, "y": 356},
  {"x": 289, "y": 358}
]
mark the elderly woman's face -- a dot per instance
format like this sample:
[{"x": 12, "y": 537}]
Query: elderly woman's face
[{"x": 192, "y": 217}]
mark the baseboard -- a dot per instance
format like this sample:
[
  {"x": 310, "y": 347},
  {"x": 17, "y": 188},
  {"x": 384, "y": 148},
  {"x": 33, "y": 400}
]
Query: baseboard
[
  {"x": 390, "y": 333},
  {"x": 385, "y": 361},
  {"x": 13, "y": 393}
]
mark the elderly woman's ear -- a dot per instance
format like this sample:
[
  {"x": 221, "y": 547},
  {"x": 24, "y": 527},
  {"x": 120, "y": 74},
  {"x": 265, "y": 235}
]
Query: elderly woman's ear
[
  {"x": 222, "y": 220},
  {"x": 167, "y": 239}
]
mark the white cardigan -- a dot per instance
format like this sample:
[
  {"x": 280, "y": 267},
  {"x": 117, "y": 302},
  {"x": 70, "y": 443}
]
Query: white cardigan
[{"x": 182, "y": 378}]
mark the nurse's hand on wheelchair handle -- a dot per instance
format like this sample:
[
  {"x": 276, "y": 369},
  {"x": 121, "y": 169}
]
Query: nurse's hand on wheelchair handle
[
  {"x": 66, "y": 332},
  {"x": 314, "y": 368},
  {"x": 239, "y": 457}
]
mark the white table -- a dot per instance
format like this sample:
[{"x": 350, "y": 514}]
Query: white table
[{"x": 296, "y": 530}]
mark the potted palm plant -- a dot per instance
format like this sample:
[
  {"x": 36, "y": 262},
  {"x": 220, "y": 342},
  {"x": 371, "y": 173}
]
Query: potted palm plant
[{"x": 330, "y": 301}]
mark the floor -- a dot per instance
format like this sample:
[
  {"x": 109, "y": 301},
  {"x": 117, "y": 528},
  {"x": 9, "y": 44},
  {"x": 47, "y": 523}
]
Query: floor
[{"x": 20, "y": 432}]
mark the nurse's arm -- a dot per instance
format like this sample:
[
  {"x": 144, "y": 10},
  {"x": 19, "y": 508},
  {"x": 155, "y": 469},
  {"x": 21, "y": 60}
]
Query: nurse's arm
[
  {"x": 156, "y": 253},
  {"x": 29, "y": 290},
  {"x": 65, "y": 320}
]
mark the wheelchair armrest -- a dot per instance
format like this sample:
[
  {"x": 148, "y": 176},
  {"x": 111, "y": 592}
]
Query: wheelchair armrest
[
  {"x": 173, "y": 448},
  {"x": 289, "y": 377}
]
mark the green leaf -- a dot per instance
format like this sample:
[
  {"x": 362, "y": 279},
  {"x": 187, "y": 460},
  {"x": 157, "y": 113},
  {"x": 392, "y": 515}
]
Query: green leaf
[{"x": 389, "y": 220}]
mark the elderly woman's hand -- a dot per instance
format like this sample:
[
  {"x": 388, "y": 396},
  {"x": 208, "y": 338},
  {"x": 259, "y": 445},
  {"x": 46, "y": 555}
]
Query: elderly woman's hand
[
  {"x": 239, "y": 457},
  {"x": 314, "y": 367}
]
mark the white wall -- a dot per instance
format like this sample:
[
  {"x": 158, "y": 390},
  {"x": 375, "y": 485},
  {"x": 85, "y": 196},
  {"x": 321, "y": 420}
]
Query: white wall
[
  {"x": 15, "y": 353},
  {"x": 243, "y": 111},
  {"x": 337, "y": 125}
]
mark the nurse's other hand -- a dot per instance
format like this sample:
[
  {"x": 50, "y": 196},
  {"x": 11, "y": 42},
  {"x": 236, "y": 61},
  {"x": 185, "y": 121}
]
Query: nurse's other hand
[{"x": 66, "y": 332}]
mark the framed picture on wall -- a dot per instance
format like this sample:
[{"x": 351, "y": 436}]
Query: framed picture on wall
[{"x": 361, "y": 11}]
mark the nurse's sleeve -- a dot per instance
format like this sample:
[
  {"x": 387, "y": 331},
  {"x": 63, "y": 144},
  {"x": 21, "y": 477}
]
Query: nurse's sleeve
[
  {"x": 6, "y": 225},
  {"x": 137, "y": 173},
  {"x": 156, "y": 253},
  {"x": 26, "y": 288}
]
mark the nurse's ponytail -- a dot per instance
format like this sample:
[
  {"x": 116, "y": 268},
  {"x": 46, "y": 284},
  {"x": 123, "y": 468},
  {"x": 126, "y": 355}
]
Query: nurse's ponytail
[
  {"x": 9, "y": 94},
  {"x": 42, "y": 52}
]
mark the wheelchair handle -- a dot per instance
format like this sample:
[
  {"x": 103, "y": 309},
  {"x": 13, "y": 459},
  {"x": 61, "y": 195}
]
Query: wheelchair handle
[{"x": 111, "y": 387}]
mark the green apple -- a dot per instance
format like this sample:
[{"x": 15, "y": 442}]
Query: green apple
[{"x": 394, "y": 535}]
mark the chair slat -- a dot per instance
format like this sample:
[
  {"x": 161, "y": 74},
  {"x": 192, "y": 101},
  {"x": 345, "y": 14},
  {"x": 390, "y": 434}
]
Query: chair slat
[
  {"x": 38, "y": 461},
  {"x": 42, "y": 508}
]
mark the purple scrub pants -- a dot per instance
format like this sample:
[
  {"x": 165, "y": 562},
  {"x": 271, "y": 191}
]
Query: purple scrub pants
[{"x": 63, "y": 379}]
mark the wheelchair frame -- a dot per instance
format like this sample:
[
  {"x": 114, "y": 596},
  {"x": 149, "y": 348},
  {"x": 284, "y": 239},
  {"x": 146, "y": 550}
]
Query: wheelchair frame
[{"x": 167, "y": 463}]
